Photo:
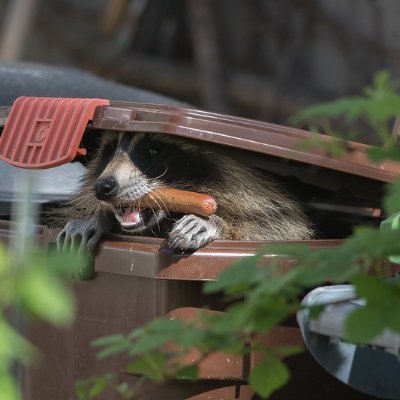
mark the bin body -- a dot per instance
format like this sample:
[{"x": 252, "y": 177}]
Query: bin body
[{"x": 137, "y": 280}]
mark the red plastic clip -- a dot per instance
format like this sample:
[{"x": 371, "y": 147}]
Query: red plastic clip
[{"x": 43, "y": 132}]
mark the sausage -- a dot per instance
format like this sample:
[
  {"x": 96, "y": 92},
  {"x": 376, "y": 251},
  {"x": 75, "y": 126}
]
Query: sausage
[{"x": 182, "y": 201}]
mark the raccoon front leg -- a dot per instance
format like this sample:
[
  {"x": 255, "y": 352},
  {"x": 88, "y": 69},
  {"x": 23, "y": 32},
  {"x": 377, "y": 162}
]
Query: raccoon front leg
[
  {"x": 83, "y": 234},
  {"x": 192, "y": 232}
]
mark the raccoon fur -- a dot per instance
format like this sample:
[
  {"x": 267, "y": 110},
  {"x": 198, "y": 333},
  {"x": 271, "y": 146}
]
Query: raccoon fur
[{"x": 129, "y": 165}]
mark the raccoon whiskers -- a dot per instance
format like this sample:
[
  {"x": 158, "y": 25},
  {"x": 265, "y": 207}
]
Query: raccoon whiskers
[
  {"x": 82, "y": 200},
  {"x": 83, "y": 195},
  {"x": 153, "y": 212},
  {"x": 96, "y": 212},
  {"x": 94, "y": 209},
  {"x": 159, "y": 176},
  {"x": 158, "y": 199},
  {"x": 131, "y": 194},
  {"x": 155, "y": 215}
]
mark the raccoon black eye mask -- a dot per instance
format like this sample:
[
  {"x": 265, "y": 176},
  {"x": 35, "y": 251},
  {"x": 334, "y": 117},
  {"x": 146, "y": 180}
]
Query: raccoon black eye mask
[{"x": 127, "y": 167}]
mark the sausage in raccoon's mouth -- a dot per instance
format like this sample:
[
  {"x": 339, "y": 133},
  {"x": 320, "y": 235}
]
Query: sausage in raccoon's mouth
[{"x": 181, "y": 201}]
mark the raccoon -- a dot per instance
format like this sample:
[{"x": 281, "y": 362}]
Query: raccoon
[{"x": 129, "y": 165}]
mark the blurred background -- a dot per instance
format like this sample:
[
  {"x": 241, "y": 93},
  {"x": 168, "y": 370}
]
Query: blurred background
[{"x": 263, "y": 59}]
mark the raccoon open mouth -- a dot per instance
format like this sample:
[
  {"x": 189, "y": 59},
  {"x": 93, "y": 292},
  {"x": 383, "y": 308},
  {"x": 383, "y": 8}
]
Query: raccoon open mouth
[{"x": 132, "y": 217}]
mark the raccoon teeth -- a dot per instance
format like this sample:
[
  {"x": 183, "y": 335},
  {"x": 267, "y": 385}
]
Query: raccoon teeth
[
  {"x": 130, "y": 217},
  {"x": 118, "y": 217}
]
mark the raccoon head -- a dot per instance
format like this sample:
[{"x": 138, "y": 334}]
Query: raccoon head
[{"x": 129, "y": 166}]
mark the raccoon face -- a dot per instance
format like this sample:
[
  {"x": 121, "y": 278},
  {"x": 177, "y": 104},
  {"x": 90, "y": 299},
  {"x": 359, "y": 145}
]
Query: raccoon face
[{"x": 129, "y": 166}]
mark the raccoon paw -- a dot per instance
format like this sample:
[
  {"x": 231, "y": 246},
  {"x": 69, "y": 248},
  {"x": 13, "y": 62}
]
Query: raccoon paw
[
  {"x": 82, "y": 234},
  {"x": 192, "y": 232}
]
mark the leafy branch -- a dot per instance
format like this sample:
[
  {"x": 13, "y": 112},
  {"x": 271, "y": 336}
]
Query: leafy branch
[
  {"x": 263, "y": 296},
  {"x": 376, "y": 109}
]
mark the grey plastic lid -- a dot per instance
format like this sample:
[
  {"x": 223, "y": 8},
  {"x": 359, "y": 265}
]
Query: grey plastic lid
[
  {"x": 54, "y": 184},
  {"x": 372, "y": 368}
]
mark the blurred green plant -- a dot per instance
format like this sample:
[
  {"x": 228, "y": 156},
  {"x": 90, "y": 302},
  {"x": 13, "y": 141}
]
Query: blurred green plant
[
  {"x": 375, "y": 109},
  {"x": 258, "y": 296},
  {"x": 33, "y": 290},
  {"x": 31, "y": 287}
]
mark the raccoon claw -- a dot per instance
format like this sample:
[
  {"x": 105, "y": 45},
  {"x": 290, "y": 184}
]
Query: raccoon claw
[
  {"x": 76, "y": 236},
  {"x": 191, "y": 232},
  {"x": 82, "y": 235}
]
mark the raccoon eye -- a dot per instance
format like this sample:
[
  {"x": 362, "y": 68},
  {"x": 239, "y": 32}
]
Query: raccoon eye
[{"x": 152, "y": 151}]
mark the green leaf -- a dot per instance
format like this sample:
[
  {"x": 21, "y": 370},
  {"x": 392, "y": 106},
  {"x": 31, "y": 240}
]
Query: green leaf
[
  {"x": 267, "y": 312},
  {"x": 88, "y": 389},
  {"x": 391, "y": 200},
  {"x": 148, "y": 343},
  {"x": 378, "y": 154},
  {"x": 316, "y": 311},
  {"x": 81, "y": 390},
  {"x": 378, "y": 105},
  {"x": 108, "y": 340},
  {"x": 112, "y": 349},
  {"x": 363, "y": 324},
  {"x": 99, "y": 386},
  {"x": 383, "y": 296},
  {"x": 13, "y": 346},
  {"x": 8, "y": 388},
  {"x": 151, "y": 365},
  {"x": 268, "y": 376},
  {"x": 385, "y": 242},
  {"x": 286, "y": 351},
  {"x": 170, "y": 327},
  {"x": 190, "y": 337},
  {"x": 369, "y": 321},
  {"x": 156, "y": 334},
  {"x": 46, "y": 296},
  {"x": 236, "y": 278},
  {"x": 351, "y": 107},
  {"x": 374, "y": 289},
  {"x": 62, "y": 264},
  {"x": 190, "y": 372},
  {"x": 277, "y": 283}
]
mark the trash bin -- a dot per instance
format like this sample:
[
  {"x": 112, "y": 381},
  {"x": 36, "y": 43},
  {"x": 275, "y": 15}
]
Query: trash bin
[{"x": 137, "y": 279}]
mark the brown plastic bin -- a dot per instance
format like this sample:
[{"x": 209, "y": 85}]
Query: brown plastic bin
[{"x": 137, "y": 279}]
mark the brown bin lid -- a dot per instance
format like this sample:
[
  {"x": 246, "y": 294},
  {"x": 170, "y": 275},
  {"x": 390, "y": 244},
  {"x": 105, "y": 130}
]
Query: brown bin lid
[
  {"x": 242, "y": 133},
  {"x": 254, "y": 136}
]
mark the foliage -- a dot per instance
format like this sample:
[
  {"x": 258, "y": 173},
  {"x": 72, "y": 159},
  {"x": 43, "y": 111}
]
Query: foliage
[
  {"x": 267, "y": 296},
  {"x": 375, "y": 109},
  {"x": 32, "y": 287},
  {"x": 259, "y": 296}
]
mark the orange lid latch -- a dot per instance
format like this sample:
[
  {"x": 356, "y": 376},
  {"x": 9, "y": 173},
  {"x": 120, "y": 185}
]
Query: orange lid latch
[{"x": 43, "y": 132}]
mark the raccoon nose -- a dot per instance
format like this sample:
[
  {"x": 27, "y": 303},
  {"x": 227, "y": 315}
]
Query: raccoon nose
[{"x": 106, "y": 188}]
